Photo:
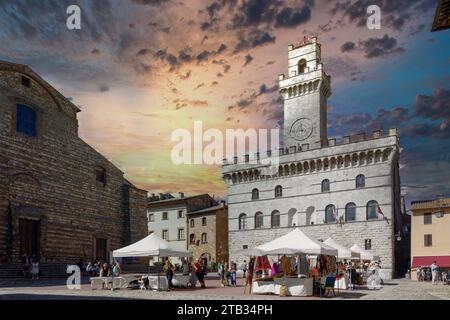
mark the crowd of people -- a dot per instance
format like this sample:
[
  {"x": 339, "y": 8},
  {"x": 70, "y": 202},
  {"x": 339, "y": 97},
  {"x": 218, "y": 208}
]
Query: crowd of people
[
  {"x": 101, "y": 269},
  {"x": 436, "y": 275}
]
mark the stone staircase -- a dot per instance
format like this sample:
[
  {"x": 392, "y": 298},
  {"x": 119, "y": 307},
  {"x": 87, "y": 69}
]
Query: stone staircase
[{"x": 13, "y": 270}]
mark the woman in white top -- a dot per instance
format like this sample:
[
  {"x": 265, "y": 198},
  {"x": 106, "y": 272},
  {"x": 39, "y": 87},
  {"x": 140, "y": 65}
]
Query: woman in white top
[{"x": 35, "y": 269}]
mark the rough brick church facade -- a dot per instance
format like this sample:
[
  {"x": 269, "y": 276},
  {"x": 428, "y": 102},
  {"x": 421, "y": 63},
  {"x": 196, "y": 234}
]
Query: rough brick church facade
[{"x": 59, "y": 198}]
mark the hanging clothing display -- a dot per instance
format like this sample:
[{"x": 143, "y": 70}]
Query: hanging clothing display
[
  {"x": 304, "y": 266},
  {"x": 286, "y": 265},
  {"x": 251, "y": 267}
]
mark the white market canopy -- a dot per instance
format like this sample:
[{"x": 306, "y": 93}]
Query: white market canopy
[
  {"x": 152, "y": 245},
  {"x": 364, "y": 254},
  {"x": 297, "y": 242},
  {"x": 343, "y": 252}
]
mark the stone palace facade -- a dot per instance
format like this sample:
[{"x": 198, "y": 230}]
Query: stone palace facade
[{"x": 327, "y": 187}]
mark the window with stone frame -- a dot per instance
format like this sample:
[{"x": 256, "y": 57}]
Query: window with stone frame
[
  {"x": 26, "y": 120},
  {"x": 350, "y": 212},
  {"x": 255, "y": 194},
  {"x": 100, "y": 175},
  {"x": 326, "y": 185},
  {"x": 165, "y": 235},
  {"x": 372, "y": 210},
  {"x": 275, "y": 219},
  {"x": 204, "y": 238},
  {"x": 427, "y": 218},
  {"x": 191, "y": 223},
  {"x": 204, "y": 221},
  {"x": 151, "y": 217},
  {"x": 301, "y": 66},
  {"x": 180, "y": 214},
  {"x": 278, "y": 191},
  {"x": 368, "y": 244},
  {"x": 428, "y": 240},
  {"x": 330, "y": 214},
  {"x": 242, "y": 221},
  {"x": 165, "y": 216},
  {"x": 26, "y": 82},
  {"x": 360, "y": 181},
  {"x": 259, "y": 220},
  {"x": 181, "y": 234},
  {"x": 192, "y": 238}
]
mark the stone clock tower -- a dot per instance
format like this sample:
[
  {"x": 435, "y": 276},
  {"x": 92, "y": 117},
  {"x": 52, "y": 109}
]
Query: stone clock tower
[{"x": 305, "y": 91}]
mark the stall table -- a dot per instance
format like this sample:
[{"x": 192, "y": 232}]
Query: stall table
[{"x": 299, "y": 287}]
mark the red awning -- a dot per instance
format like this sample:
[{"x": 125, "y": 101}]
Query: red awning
[{"x": 442, "y": 261}]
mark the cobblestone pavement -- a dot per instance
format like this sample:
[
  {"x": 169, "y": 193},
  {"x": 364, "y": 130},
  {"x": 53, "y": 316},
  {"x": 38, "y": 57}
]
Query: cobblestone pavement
[{"x": 55, "y": 289}]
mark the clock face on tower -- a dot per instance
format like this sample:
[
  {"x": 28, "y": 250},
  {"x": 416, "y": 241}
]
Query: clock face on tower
[{"x": 301, "y": 129}]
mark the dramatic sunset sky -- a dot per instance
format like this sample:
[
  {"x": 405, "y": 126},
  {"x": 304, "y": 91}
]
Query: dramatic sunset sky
[{"x": 141, "y": 69}]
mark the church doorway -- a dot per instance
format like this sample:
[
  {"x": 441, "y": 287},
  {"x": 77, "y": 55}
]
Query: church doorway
[{"x": 30, "y": 234}]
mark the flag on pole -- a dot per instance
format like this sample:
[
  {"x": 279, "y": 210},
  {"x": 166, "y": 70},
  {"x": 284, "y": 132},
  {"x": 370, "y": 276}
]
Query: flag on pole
[{"x": 381, "y": 214}]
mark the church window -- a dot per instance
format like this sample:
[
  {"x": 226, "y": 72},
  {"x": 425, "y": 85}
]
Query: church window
[
  {"x": 371, "y": 212},
  {"x": 326, "y": 185},
  {"x": 275, "y": 219},
  {"x": 259, "y": 220},
  {"x": 330, "y": 214},
  {"x": 278, "y": 191},
  {"x": 350, "y": 212},
  {"x": 360, "y": 181},
  {"x": 26, "y": 120},
  {"x": 255, "y": 194},
  {"x": 301, "y": 66},
  {"x": 100, "y": 175},
  {"x": 242, "y": 221}
]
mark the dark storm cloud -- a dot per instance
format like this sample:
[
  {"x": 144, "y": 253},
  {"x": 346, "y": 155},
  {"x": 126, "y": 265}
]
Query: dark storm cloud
[
  {"x": 252, "y": 39},
  {"x": 291, "y": 17},
  {"x": 248, "y": 60},
  {"x": 394, "y": 13},
  {"x": 436, "y": 106},
  {"x": 348, "y": 46},
  {"x": 143, "y": 52},
  {"x": 263, "y": 89},
  {"x": 380, "y": 47},
  {"x": 103, "y": 88}
]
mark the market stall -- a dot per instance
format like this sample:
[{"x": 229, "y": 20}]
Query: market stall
[
  {"x": 343, "y": 278},
  {"x": 293, "y": 247},
  {"x": 152, "y": 246}
]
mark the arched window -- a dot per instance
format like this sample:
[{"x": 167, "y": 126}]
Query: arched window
[
  {"x": 204, "y": 221},
  {"x": 255, "y": 194},
  {"x": 301, "y": 66},
  {"x": 326, "y": 185},
  {"x": 330, "y": 214},
  {"x": 192, "y": 238},
  {"x": 278, "y": 191},
  {"x": 275, "y": 219},
  {"x": 242, "y": 221},
  {"x": 191, "y": 223},
  {"x": 360, "y": 181},
  {"x": 204, "y": 238},
  {"x": 350, "y": 212},
  {"x": 372, "y": 210},
  {"x": 259, "y": 220},
  {"x": 26, "y": 120}
]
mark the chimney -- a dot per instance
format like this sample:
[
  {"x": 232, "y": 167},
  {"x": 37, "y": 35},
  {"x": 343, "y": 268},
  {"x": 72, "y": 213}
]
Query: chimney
[{"x": 181, "y": 194}]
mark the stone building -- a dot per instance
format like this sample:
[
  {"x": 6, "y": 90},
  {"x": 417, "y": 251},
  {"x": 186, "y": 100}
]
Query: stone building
[
  {"x": 166, "y": 216},
  {"x": 208, "y": 233},
  {"x": 430, "y": 237},
  {"x": 59, "y": 198},
  {"x": 327, "y": 187}
]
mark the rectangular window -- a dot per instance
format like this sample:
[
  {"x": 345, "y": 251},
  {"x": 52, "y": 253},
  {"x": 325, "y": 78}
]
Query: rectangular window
[
  {"x": 368, "y": 244},
  {"x": 245, "y": 247},
  {"x": 101, "y": 251},
  {"x": 165, "y": 234},
  {"x": 180, "y": 214},
  {"x": 428, "y": 240},
  {"x": 100, "y": 175},
  {"x": 191, "y": 223},
  {"x": 26, "y": 120},
  {"x": 181, "y": 234},
  {"x": 164, "y": 216},
  {"x": 26, "y": 81},
  {"x": 151, "y": 217},
  {"x": 427, "y": 218},
  {"x": 203, "y": 221}
]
